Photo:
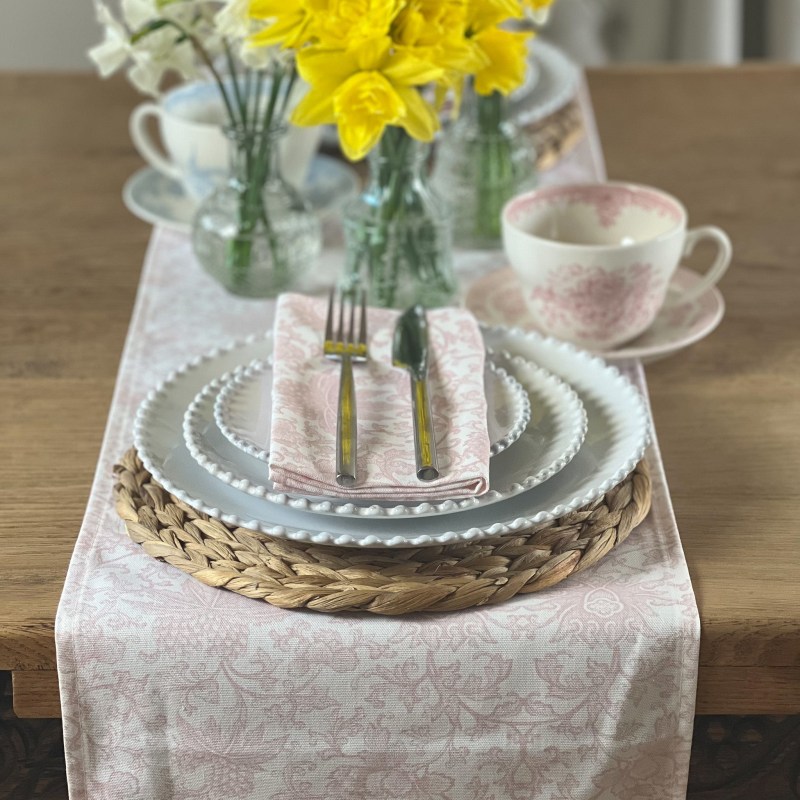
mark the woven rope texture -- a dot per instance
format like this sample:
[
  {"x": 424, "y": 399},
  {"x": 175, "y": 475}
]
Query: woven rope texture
[{"x": 381, "y": 581}]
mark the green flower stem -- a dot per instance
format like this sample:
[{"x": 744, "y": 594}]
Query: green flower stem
[
  {"x": 257, "y": 149},
  {"x": 254, "y": 157},
  {"x": 399, "y": 231},
  {"x": 237, "y": 91},
  {"x": 495, "y": 165}
]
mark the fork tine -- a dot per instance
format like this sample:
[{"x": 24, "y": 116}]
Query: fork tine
[
  {"x": 362, "y": 335},
  {"x": 329, "y": 320},
  {"x": 340, "y": 334},
  {"x": 351, "y": 337}
]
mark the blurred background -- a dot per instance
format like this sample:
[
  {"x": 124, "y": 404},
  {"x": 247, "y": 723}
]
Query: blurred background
[{"x": 48, "y": 35}]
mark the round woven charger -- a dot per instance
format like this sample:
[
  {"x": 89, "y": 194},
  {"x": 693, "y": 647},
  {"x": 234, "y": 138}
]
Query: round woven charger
[{"x": 382, "y": 581}]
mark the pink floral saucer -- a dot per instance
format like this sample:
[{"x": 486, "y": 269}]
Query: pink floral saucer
[{"x": 496, "y": 299}]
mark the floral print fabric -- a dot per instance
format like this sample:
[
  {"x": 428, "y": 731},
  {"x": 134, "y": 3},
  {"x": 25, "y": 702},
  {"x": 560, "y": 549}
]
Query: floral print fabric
[
  {"x": 305, "y": 393},
  {"x": 172, "y": 690}
]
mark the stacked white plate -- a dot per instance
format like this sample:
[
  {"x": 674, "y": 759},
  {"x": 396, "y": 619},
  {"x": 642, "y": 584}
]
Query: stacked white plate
[{"x": 565, "y": 428}]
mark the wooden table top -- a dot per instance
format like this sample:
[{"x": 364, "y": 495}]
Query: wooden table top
[{"x": 727, "y": 410}]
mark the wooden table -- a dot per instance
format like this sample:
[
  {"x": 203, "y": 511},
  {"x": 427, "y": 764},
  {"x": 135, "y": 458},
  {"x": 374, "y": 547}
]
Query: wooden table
[{"x": 727, "y": 411}]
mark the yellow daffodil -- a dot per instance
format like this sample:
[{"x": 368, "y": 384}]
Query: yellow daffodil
[
  {"x": 289, "y": 21},
  {"x": 435, "y": 30},
  {"x": 347, "y": 23},
  {"x": 504, "y": 52},
  {"x": 507, "y": 54},
  {"x": 363, "y": 89},
  {"x": 483, "y": 14}
]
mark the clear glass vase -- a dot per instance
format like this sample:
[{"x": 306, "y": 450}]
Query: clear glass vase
[
  {"x": 398, "y": 237},
  {"x": 256, "y": 234},
  {"x": 482, "y": 161}
]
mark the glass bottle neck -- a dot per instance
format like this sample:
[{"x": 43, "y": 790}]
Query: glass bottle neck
[
  {"x": 397, "y": 157},
  {"x": 254, "y": 155},
  {"x": 485, "y": 113}
]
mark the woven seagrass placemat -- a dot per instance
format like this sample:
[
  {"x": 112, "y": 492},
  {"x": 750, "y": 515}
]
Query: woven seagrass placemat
[{"x": 382, "y": 581}]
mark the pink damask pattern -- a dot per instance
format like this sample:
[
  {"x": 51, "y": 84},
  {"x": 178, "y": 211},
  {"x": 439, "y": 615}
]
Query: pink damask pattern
[
  {"x": 608, "y": 202},
  {"x": 597, "y": 304},
  {"x": 172, "y": 690},
  {"x": 305, "y": 394}
]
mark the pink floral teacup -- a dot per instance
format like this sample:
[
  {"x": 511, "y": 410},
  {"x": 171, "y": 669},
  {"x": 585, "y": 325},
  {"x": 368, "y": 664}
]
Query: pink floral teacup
[{"x": 595, "y": 261}]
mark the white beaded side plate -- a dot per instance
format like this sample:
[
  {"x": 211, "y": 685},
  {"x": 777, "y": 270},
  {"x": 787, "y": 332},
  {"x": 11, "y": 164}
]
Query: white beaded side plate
[
  {"x": 550, "y": 438},
  {"x": 617, "y": 435},
  {"x": 243, "y": 408}
]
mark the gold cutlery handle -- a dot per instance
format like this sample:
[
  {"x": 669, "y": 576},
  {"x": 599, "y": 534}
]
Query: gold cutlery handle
[
  {"x": 424, "y": 437},
  {"x": 346, "y": 426}
]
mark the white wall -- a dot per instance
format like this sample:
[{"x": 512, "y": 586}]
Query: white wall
[{"x": 47, "y": 34}]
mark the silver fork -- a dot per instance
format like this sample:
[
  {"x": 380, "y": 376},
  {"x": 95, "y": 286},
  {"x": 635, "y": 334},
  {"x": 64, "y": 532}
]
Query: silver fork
[{"x": 343, "y": 346}]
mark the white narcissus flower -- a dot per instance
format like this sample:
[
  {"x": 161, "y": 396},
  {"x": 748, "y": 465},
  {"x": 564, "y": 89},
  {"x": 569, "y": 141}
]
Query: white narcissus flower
[
  {"x": 157, "y": 52},
  {"x": 115, "y": 49},
  {"x": 538, "y": 11},
  {"x": 233, "y": 19},
  {"x": 159, "y": 55},
  {"x": 188, "y": 13},
  {"x": 233, "y": 22},
  {"x": 538, "y": 17}
]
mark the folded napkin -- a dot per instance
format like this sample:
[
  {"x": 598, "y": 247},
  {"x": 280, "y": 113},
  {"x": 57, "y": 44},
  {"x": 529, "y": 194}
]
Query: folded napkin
[{"x": 305, "y": 393}]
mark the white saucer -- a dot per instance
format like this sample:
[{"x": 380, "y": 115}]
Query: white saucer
[
  {"x": 496, "y": 299},
  {"x": 160, "y": 200}
]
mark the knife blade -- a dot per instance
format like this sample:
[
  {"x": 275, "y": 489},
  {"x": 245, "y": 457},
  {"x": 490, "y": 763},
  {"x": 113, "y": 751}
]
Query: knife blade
[{"x": 410, "y": 352}]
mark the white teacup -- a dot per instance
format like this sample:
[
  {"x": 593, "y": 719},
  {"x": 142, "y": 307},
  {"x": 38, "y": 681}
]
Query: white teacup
[
  {"x": 596, "y": 261},
  {"x": 191, "y": 120}
]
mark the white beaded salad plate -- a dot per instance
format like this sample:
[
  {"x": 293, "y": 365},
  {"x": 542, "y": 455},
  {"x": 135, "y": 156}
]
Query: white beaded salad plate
[
  {"x": 617, "y": 435},
  {"x": 243, "y": 408},
  {"x": 547, "y": 443}
]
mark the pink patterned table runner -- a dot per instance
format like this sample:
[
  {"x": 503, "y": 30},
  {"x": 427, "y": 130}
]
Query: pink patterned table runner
[{"x": 172, "y": 690}]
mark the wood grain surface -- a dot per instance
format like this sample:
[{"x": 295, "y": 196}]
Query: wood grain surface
[
  {"x": 70, "y": 257},
  {"x": 727, "y": 410}
]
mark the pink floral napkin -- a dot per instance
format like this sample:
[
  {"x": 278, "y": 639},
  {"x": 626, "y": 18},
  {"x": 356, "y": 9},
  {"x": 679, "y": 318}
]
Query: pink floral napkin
[{"x": 305, "y": 392}]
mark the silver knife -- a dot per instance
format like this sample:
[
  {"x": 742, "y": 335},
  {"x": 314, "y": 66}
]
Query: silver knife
[{"x": 410, "y": 352}]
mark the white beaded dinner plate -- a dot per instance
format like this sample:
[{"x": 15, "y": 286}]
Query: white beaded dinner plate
[
  {"x": 160, "y": 200},
  {"x": 496, "y": 298},
  {"x": 243, "y": 408},
  {"x": 617, "y": 435},
  {"x": 550, "y": 439}
]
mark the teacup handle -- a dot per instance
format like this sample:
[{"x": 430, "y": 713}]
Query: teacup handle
[
  {"x": 718, "y": 267},
  {"x": 144, "y": 144}
]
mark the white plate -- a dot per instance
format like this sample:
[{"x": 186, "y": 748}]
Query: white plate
[
  {"x": 618, "y": 432},
  {"x": 496, "y": 299},
  {"x": 243, "y": 408},
  {"x": 549, "y": 442},
  {"x": 160, "y": 200}
]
